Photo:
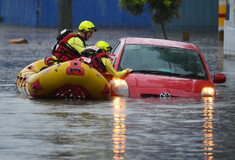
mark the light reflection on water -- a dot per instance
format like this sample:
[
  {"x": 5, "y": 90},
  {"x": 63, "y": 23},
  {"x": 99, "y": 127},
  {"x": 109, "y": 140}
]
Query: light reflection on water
[
  {"x": 119, "y": 128},
  {"x": 208, "y": 128}
]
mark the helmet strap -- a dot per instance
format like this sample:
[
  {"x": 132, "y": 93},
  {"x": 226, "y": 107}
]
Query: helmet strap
[{"x": 85, "y": 33}]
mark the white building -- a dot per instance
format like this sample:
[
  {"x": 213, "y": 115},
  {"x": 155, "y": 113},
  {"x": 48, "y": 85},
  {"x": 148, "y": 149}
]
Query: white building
[{"x": 229, "y": 31}]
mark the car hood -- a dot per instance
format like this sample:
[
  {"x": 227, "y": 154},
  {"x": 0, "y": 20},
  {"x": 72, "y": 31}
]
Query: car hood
[{"x": 140, "y": 84}]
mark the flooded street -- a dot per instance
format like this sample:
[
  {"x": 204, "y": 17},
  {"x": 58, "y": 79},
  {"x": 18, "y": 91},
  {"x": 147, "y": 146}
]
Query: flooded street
[{"x": 118, "y": 128}]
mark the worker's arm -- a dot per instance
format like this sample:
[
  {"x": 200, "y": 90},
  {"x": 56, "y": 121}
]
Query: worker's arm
[
  {"x": 77, "y": 44},
  {"x": 111, "y": 70}
]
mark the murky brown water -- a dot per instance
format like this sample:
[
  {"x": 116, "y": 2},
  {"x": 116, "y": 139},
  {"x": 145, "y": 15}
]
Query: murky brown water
[{"x": 118, "y": 128}]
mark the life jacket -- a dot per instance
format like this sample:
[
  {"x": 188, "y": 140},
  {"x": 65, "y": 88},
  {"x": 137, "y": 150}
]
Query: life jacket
[
  {"x": 62, "y": 50},
  {"x": 92, "y": 57}
]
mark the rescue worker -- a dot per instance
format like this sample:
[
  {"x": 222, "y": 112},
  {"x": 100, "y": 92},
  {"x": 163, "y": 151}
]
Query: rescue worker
[
  {"x": 70, "y": 44},
  {"x": 97, "y": 57}
]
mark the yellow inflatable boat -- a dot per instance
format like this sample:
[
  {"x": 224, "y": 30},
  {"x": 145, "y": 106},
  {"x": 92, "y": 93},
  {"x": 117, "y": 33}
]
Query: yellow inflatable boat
[{"x": 68, "y": 80}]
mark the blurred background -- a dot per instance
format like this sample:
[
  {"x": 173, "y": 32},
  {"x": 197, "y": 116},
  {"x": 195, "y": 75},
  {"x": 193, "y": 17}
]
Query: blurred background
[{"x": 195, "y": 15}]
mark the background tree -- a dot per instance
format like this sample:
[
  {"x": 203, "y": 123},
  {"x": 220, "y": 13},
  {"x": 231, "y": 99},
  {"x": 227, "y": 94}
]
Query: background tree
[{"x": 162, "y": 11}]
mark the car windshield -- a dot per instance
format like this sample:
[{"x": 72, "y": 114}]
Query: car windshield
[{"x": 160, "y": 60}]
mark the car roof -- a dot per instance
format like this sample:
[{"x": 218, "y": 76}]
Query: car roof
[{"x": 159, "y": 42}]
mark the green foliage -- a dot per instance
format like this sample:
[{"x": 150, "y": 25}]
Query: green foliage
[{"x": 162, "y": 11}]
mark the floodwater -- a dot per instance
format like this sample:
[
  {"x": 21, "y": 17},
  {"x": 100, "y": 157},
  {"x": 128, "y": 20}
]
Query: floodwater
[{"x": 117, "y": 128}]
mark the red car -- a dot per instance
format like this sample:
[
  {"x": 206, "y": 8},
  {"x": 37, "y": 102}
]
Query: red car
[{"x": 161, "y": 68}]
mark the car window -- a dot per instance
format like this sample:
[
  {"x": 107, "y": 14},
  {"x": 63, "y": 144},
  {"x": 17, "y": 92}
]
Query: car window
[
  {"x": 115, "y": 51},
  {"x": 116, "y": 48},
  {"x": 163, "y": 60}
]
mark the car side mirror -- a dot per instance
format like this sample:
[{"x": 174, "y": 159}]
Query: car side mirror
[{"x": 219, "y": 78}]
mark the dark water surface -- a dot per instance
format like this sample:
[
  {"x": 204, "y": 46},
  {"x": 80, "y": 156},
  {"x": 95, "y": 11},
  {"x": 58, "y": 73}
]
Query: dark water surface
[{"x": 118, "y": 128}]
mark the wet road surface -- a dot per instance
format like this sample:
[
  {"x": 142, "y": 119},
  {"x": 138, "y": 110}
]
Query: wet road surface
[{"x": 117, "y": 128}]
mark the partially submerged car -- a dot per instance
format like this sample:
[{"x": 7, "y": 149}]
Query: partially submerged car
[{"x": 161, "y": 68}]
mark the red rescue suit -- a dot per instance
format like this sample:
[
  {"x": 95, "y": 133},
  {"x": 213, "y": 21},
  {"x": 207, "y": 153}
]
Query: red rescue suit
[
  {"x": 92, "y": 57},
  {"x": 62, "y": 50}
]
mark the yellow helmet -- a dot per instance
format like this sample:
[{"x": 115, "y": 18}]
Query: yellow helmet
[
  {"x": 87, "y": 25},
  {"x": 103, "y": 45}
]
